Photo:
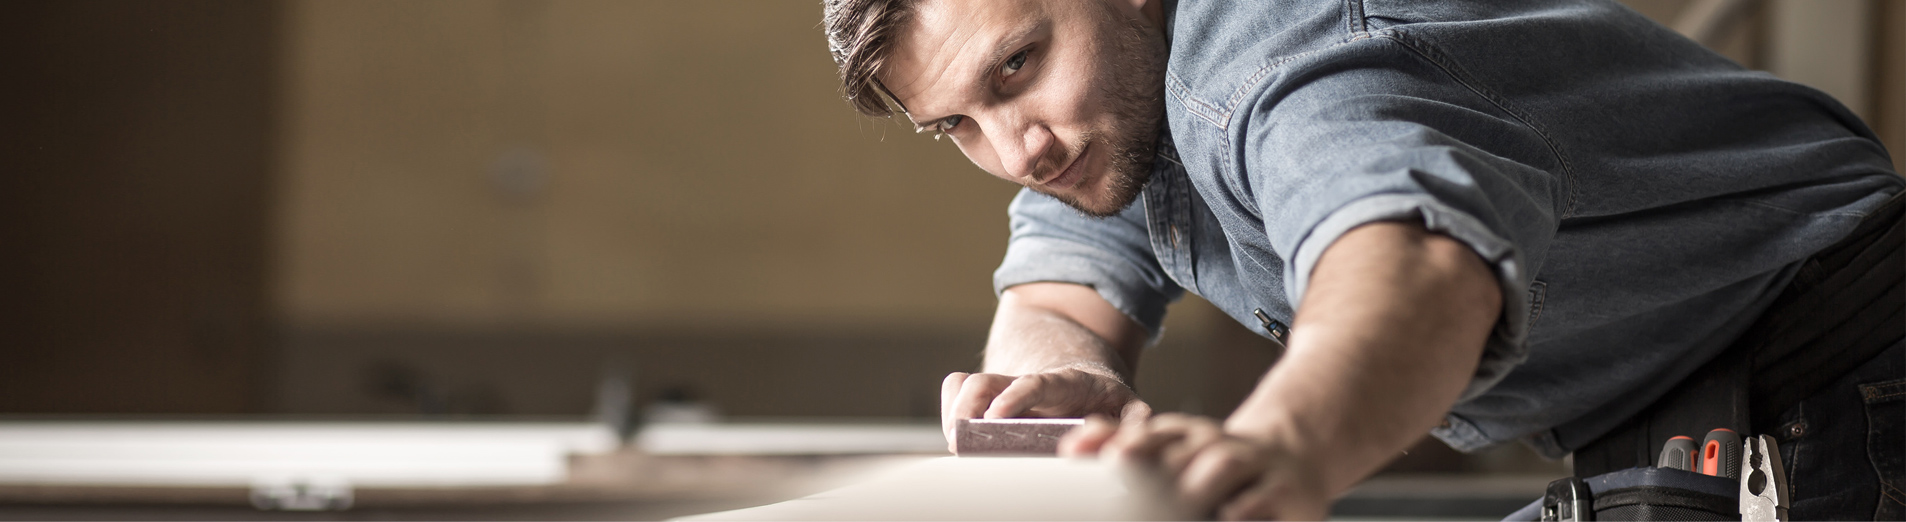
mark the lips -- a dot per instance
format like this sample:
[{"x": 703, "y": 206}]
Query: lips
[{"x": 1071, "y": 175}]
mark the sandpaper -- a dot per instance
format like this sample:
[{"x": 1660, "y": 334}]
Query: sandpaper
[{"x": 1010, "y": 437}]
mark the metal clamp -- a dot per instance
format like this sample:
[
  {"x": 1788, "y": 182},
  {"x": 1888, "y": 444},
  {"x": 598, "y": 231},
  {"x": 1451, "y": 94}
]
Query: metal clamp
[{"x": 1568, "y": 500}]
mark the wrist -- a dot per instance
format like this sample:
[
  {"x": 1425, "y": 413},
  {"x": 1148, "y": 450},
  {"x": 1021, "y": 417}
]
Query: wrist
[
  {"x": 1285, "y": 439},
  {"x": 1264, "y": 426}
]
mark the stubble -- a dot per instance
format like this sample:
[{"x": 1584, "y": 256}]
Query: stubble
[{"x": 1133, "y": 88}]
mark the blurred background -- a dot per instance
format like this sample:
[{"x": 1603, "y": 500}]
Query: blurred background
[{"x": 496, "y": 209}]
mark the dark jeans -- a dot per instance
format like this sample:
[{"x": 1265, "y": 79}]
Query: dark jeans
[{"x": 1845, "y": 447}]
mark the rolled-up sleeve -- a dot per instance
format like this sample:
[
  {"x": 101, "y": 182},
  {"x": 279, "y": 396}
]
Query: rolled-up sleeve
[
  {"x": 1053, "y": 243},
  {"x": 1386, "y": 136}
]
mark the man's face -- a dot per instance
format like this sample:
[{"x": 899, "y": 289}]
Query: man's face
[{"x": 1065, "y": 98}]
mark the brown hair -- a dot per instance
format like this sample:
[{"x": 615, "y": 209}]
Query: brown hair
[{"x": 860, "y": 34}]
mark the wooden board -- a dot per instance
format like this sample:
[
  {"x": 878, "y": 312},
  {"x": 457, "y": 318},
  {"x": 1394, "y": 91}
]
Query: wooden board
[{"x": 952, "y": 488}]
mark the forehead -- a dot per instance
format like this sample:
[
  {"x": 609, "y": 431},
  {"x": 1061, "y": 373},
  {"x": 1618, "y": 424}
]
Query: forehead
[{"x": 946, "y": 44}]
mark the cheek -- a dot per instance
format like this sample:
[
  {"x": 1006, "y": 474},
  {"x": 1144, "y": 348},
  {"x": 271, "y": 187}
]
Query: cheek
[
  {"x": 980, "y": 152},
  {"x": 1073, "y": 96},
  {"x": 1101, "y": 95}
]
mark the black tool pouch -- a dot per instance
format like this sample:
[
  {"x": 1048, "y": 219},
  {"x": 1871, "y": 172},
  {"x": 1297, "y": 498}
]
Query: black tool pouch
[{"x": 1636, "y": 494}]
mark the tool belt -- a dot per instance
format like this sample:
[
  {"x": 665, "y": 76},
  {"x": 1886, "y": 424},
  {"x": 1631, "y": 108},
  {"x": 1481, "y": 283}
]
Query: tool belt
[{"x": 1842, "y": 309}]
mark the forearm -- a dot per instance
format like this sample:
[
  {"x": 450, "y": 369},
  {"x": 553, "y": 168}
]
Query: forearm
[
  {"x": 1388, "y": 334},
  {"x": 1033, "y": 332}
]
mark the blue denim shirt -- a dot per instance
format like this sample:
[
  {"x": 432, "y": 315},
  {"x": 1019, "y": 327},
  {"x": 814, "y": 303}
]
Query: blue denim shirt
[{"x": 1640, "y": 199}]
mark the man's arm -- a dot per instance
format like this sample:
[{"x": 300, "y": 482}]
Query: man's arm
[
  {"x": 1055, "y": 350},
  {"x": 1389, "y": 332},
  {"x": 1043, "y": 325}
]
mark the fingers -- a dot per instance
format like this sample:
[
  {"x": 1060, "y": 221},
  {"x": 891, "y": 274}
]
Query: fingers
[
  {"x": 965, "y": 396},
  {"x": 1214, "y": 475},
  {"x": 976, "y": 395},
  {"x": 949, "y": 390},
  {"x": 1209, "y": 468},
  {"x": 1028, "y": 392},
  {"x": 1135, "y": 410},
  {"x": 1086, "y": 440},
  {"x": 1056, "y": 393},
  {"x": 1198, "y": 437},
  {"x": 1211, "y": 472},
  {"x": 1144, "y": 439}
]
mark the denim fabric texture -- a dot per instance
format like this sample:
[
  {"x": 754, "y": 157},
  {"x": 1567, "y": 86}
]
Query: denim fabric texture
[
  {"x": 1845, "y": 447},
  {"x": 1640, "y": 199}
]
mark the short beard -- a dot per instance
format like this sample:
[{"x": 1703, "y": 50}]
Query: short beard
[{"x": 1135, "y": 87}]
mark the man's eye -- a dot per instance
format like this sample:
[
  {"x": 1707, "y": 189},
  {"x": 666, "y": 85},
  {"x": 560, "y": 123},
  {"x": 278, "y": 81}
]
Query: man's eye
[
  {"x": 1013, "y": 64},
  {"x": 940, "y": 128},
  {"x": 946, "y": 125}
]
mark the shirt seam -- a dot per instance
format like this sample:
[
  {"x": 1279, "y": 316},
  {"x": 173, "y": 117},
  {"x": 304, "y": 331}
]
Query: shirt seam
[
  {"x": 1800, "y": 213},
  {"x": 1220, "y": 116},
  {"x": 1250, "y": 82},
  {"x": 1456, "y": 72},
  {"x": 1133, "y": 302},
  {"x": 1198, "y": 107},
  {"x": 1354, "y": 21},
  {"x": 1070, "y": 242},
  {"x": 1881, "y": 391}
]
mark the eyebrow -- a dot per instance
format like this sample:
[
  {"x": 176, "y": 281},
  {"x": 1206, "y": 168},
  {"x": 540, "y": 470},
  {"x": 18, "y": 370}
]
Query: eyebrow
[{"x": 1001, "y": 48}]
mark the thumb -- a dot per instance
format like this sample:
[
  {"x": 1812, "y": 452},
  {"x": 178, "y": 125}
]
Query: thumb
[{"x": 1135, "y": 411}]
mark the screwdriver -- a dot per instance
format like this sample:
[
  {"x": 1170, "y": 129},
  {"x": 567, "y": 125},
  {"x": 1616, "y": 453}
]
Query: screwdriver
[
  {"x": 1679, "y": 453},
  {"x": 1721, "y": 454}
]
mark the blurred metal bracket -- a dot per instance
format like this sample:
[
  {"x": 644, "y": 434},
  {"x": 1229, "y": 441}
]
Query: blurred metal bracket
[{"x": 305, "y": 494}]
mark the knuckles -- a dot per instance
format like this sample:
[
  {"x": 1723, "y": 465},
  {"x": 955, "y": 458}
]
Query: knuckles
[{"x": 992, "y": 381}]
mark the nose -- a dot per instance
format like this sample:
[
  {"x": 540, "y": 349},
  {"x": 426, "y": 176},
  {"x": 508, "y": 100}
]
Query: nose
[{"x": 1022, "y": 145}]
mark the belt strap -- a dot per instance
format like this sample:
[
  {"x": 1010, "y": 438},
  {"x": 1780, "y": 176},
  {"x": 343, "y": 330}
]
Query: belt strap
[{"x": 1842, "y": 309}]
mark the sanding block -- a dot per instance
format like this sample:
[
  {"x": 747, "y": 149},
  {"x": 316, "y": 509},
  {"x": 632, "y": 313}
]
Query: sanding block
[{"x": 1010, "y": 437}]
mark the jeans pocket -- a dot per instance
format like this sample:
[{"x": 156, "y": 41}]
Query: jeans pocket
[{"x": 1886, "y": 444}]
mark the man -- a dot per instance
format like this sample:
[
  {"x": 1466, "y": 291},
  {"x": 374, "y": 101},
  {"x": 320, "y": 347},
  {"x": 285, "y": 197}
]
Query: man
[{"x": 1489, "y": 221}]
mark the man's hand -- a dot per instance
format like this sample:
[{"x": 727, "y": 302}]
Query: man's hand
[
  {"x": 1214, "y": 473},
  {"x": 1071, "y": 391},
  {"x": 1056, "y": 350},
  {"x": 1389, "y": 332}
]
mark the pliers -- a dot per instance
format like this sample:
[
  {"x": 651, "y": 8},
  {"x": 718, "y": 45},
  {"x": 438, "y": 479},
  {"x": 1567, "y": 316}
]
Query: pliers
[{"x": 1763, "y": 481}]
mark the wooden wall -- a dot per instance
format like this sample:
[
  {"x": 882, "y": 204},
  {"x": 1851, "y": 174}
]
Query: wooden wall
[
  {"x": 610, "y": 164},
  {"x": 135, "y": 145},
  {"x": 1889, "y": 80}
]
